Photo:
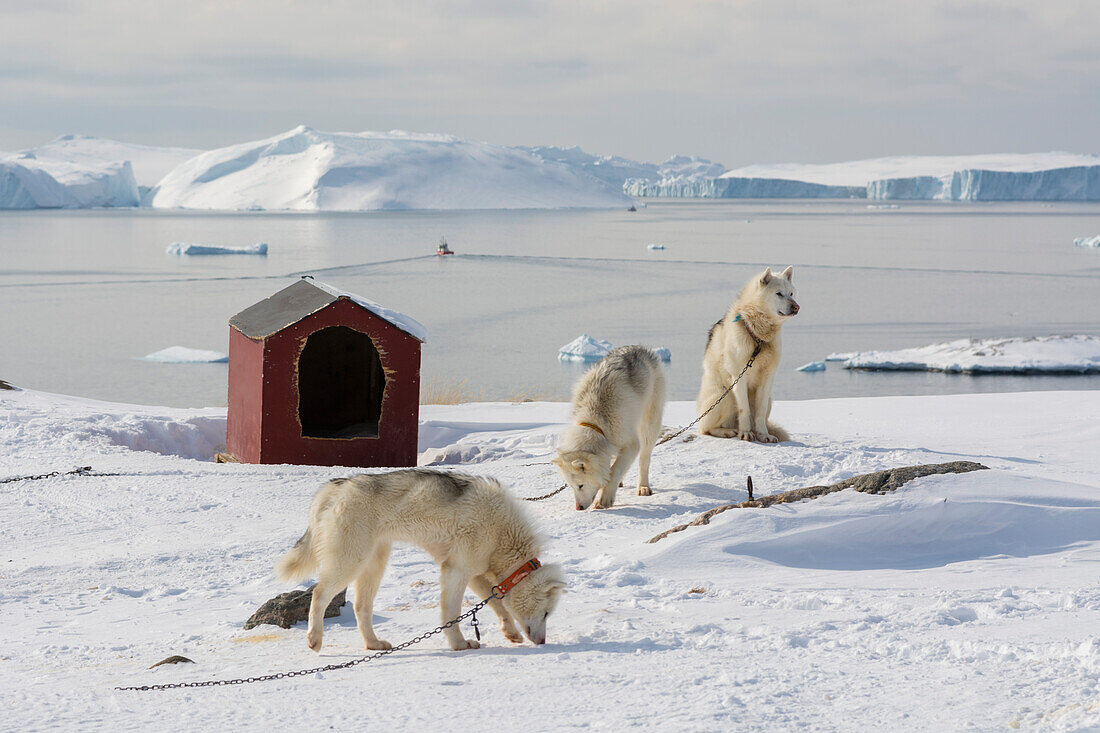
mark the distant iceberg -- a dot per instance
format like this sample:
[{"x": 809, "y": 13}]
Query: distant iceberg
[
  {"x": 1093, "y": 242},
  {"x": 1036, "y": 355},
  {"x": 184, "y": 355},
  {"x": 183, "y": 248},
  {"x": 30, "y": 182},
  {"x": 813, "y": 366},
  {"x": 995, "y": 177},
  {"x": 308, "y": 170},
  {"x": 584, "y": 348}
]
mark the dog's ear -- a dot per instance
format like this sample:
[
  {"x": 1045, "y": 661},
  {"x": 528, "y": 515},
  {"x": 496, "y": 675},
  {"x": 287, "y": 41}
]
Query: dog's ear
[
  {"x": 766, "y": 277},
  {"x": 579, "y": 465},
  {"x": 788, "y": 274},
  {"x": 557, "y": 461}
]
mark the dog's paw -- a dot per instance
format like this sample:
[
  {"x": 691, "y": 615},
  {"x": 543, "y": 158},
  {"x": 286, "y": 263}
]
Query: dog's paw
[
  {"x": 645, "y": 491},
  {"x": 601, "y": 505},
  {"x": 766, "y": 438},
  {"x": 465, "y": 644},
  {"x": 512, "y": 635},
  {"x": 746, "y": 435},
  {"x": 379, "y": 645},
  {"x": 724, "y": 433},
  {"x": 314, "y": 641}
]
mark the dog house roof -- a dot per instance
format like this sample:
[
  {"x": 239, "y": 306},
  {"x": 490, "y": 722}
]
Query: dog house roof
[{"x": 306, "y": 297}]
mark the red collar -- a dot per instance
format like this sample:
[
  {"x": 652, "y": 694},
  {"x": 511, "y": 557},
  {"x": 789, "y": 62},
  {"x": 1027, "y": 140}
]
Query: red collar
[{"x": 513, "y": 580}]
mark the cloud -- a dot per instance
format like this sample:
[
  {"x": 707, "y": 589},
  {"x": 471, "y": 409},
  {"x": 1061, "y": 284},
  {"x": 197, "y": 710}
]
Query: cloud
[{"x": 629, "y": 73}]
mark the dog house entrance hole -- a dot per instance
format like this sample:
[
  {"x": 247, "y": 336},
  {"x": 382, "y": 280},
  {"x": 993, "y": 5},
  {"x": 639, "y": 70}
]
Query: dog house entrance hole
[{"x": 340, "y": 385}]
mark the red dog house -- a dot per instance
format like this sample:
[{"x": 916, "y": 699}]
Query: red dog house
[{"x": 322, "y": 377}]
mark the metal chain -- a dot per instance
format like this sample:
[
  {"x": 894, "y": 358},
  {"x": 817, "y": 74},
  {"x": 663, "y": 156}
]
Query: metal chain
[
  {"x": 555, "y": 492},
  {"x": 79, "y": 471},
  {"x": 681, "y": 431},
  {"x": 327, "y": 668}
]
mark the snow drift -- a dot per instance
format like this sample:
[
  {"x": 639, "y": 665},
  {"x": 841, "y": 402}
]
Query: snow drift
[{"x": 307, "y": 170}]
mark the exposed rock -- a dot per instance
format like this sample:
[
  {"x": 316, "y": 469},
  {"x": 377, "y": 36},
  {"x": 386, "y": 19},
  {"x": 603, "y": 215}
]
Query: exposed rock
[
  {"x": 879, "y": 482},
  {"x": 287, "y": 609},
  {"x": 175, "y": 659},
  {"x": 5, "y": 385}
]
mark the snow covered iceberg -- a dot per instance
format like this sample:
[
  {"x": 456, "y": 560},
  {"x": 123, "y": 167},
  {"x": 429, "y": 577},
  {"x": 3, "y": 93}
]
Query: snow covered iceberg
[
  {"x": 992, "y": 177},
  {"x": 184, "y": 248},
  {"x": 185, "y": 355},
  {"x": 584, "y": 348},
  {"x": 308, "y": 170},
  {"x": 1037, "y": 355},
  {"x": 27, "y": 182}
]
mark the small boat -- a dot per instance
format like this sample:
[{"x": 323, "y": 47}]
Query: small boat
[
  {"x": 632, "y": 208},
  {"x": 443, "y": 249}
]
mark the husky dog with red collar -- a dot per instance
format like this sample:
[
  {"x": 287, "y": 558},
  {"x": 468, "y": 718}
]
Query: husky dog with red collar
[
  {"x": 475, "y": 530},
  {"x": 617, "y": 409},
  {"x": 751, "y": 325}
]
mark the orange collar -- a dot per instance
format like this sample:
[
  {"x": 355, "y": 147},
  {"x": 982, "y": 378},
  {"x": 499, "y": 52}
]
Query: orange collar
[
  {"x": 594, "y": 427},
  {"x": 513, "y": 580}
]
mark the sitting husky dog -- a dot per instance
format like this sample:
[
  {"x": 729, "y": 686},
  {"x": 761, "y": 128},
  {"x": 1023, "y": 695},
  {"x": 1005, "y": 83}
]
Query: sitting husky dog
[
  {"x": 617, "y": 408},
  {"x": 473, "y": 528},
  {"x": 754, "y": 319}
]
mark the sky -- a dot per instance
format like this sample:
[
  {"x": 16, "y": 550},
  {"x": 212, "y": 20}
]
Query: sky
[{"x": 740, "y": 82}]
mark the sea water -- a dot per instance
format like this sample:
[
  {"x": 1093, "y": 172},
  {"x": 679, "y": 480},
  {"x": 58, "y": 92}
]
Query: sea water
[{"x": 85, "y": 294}]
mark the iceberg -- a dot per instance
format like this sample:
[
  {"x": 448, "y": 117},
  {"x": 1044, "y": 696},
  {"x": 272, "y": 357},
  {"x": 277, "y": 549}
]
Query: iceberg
[
  {"x": 183, "y": 248},
  {"x": 149, "y": 163},
  {"x": 1093, "y": 242},
  {"x": 663, "y": 354},
  {"x": 184, "y": 355},
  {"x": 994, "y": 177},
  {"x": 308, "y": 170},
  {"x": 813, "y": 366},
  {"x": 27, "y": 182},
  {"x": 584, "y": 348},
  {"x": 1036, "y": 355}
]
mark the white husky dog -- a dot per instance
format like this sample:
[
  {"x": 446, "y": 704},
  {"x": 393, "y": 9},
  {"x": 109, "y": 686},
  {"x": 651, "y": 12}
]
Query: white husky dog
[
  {"x": 755, "y": 318},
  {"x": 475, "y": 530},
  {"x": 617, "y": 409}
]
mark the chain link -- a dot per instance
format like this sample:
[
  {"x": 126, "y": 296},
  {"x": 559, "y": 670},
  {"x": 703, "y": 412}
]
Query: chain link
[
  {"x": 327, "y": 668},
  {"x": 555, "y": 492}
]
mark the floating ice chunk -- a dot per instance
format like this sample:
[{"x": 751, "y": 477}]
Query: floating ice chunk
[
  {"x": 883, "y": 206},
  {"x": 184, "y": 355},
  {"x": 656, "y": 246},
  {"x": 183, "y": 248},
  {"x": 813, "y": 366},
  {"x": 584, "y": 348},
  {"x": 1093, "y": 242},
  {"x": 1035, "y": 355},
  {"x": 841, "y": 355},
  {"x": 663, "y": 354}
]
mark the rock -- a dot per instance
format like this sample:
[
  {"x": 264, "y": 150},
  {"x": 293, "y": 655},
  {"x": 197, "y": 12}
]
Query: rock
[
  {"x": 175, "y": 659},
  {"x": 879, "y": 482},
  {"x": 5, "y": 385},
  {"x": 287, "y": 609}
]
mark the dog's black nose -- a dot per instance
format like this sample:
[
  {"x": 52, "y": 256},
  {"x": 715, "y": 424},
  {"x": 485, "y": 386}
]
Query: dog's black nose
[{"x": 794, "y": 307}]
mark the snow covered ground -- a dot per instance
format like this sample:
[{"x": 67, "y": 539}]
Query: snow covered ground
[
  {"x": 1036, "y": 355},
  {"x": 307, "y": 170},
  {"x": 961, "y": 601}
]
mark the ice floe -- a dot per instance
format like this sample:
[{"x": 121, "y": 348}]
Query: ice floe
[
  {"x": 185, "y": 355},
  {"x": 185, "y": 248},
  {"x": 1035, "y": 355}
]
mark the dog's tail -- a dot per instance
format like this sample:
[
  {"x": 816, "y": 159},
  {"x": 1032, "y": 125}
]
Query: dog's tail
[
  {"x": 778, "y": 432},
  {"x": 299, "y": 562}
]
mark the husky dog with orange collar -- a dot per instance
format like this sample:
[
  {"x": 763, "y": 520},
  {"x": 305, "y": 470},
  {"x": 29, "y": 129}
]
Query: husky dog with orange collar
[
  {"x": 475, "y": 530},
  {"x": 617, "y": 409},
  {"x": 751, "y": 324}
]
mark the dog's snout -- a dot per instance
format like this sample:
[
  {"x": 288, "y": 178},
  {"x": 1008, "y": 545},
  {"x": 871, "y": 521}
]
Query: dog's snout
[
  {"x": 580, "y": 508},
  {"x": 794, "y": 307}
]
